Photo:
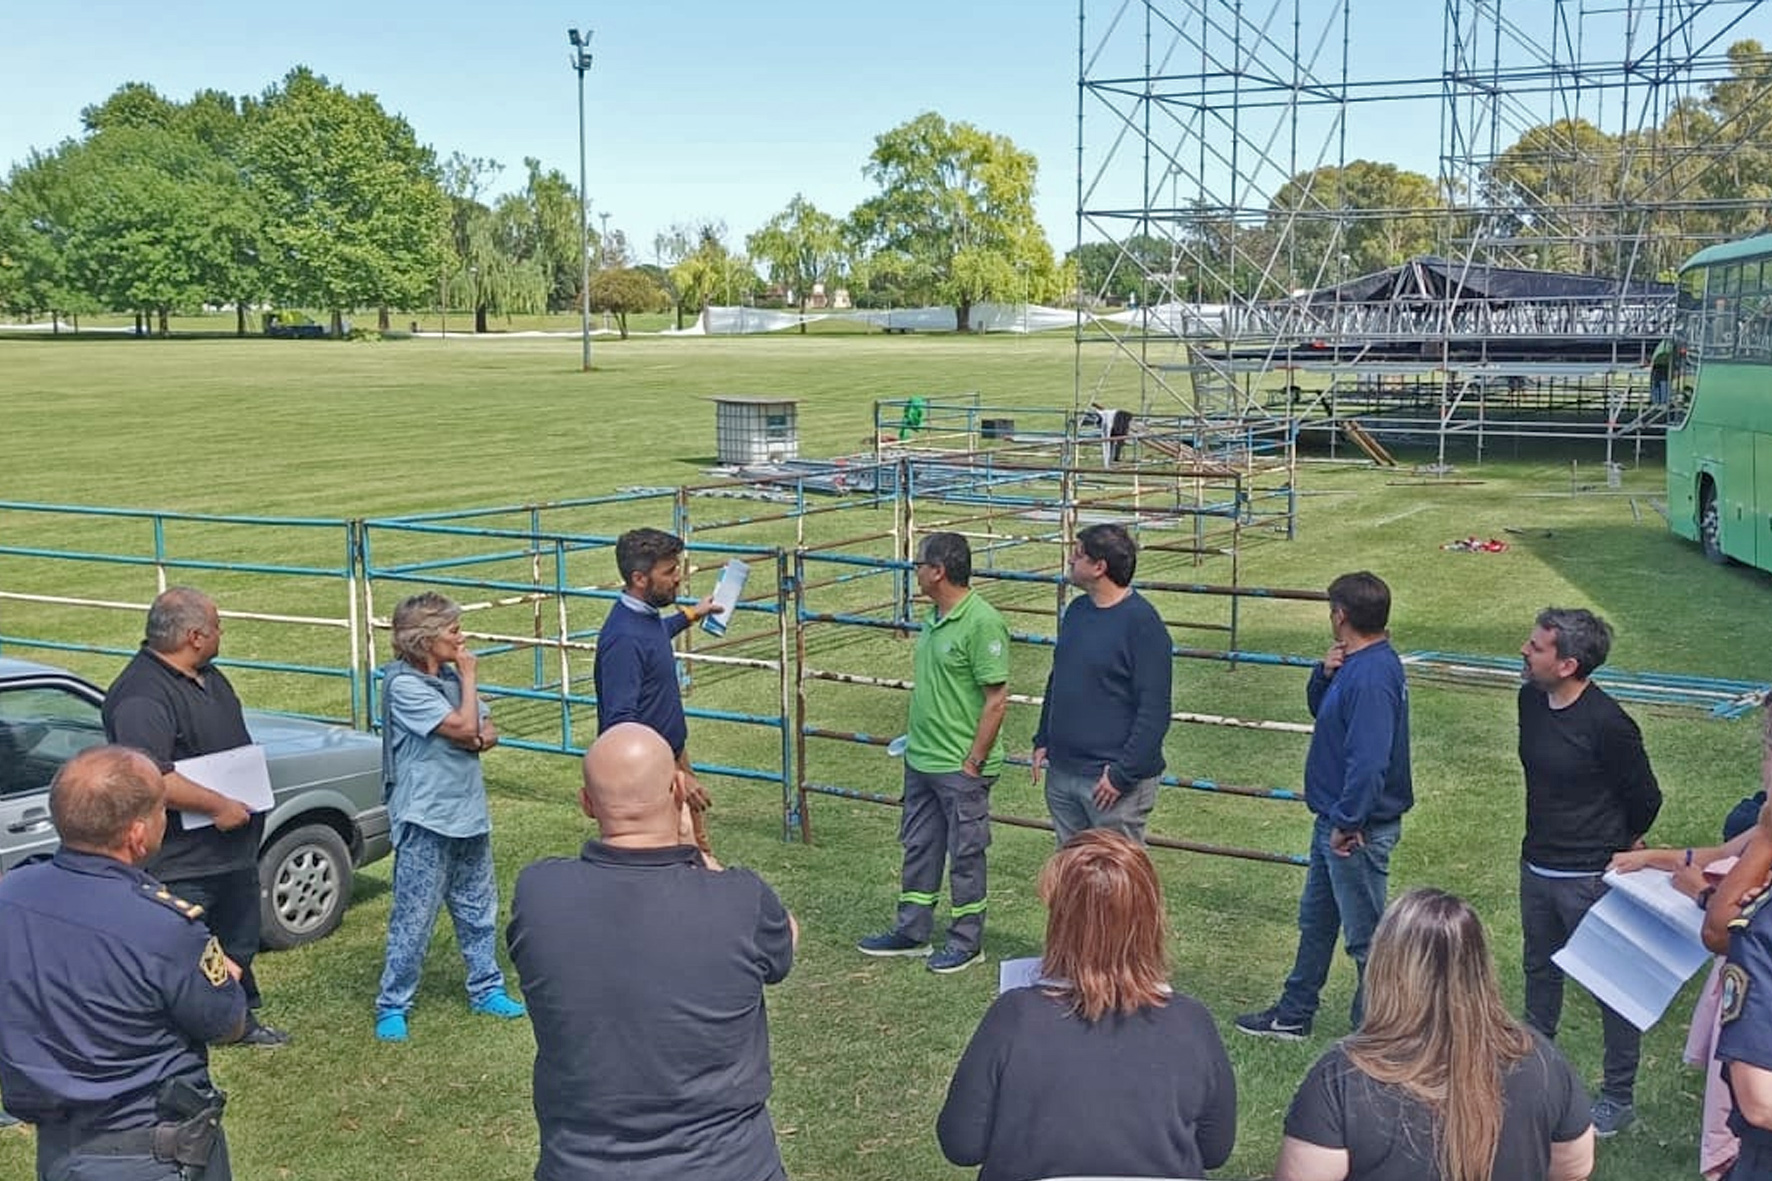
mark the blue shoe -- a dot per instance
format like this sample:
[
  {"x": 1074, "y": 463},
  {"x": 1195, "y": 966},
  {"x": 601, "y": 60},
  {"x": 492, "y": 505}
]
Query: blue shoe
[
  {"x": 499, "y": 1005},
  {"x": 890, "y": 943},
  {"x": 390, "y": 1026},
  {"x": 952, "y": 959}
]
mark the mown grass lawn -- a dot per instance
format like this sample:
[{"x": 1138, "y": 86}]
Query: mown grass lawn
[{"x": 863, "y": 1049}]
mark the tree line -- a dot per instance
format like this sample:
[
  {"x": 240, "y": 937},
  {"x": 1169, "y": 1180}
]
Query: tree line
[{"x": 308, "y": 196}]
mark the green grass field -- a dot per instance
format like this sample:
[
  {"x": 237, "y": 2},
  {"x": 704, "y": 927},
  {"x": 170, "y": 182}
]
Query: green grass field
[{"x": 863, "y": 1049}]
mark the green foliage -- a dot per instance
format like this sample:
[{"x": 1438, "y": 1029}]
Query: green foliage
[
  {"x": 802, "y": 247},
  {"x": 626, "y": 289},
  {"x": 353, "y": 210},
  {"x": 1354, "y": 220},
  {"x": 953, "y": 222},
  {"x": 712, "y": 273}
]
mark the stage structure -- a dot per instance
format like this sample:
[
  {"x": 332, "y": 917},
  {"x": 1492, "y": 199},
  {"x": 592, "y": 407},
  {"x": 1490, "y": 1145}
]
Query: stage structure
[{"x": 1583, "y": 149}]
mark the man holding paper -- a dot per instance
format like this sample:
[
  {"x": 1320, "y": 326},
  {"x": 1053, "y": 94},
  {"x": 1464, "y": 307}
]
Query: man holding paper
[
  {"x": 172, "y": 703},
  {"x": 1590, "y": 792},
  {"x": 635, "y": 668}
]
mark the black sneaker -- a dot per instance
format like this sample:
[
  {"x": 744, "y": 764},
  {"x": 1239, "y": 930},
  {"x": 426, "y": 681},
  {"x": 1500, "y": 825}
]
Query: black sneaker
[
  {"x": 890, "y": 943},
  {"x": 263, "y": 1036},
  {"x": 952, "y": 959},
  {"x": 1267, "y": 1023},
  {"x": 1611, "y": 1117}
]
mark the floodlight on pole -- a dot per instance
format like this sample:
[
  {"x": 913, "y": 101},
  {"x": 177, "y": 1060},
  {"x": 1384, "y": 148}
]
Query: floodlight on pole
[{"x": 581, "y": 64}]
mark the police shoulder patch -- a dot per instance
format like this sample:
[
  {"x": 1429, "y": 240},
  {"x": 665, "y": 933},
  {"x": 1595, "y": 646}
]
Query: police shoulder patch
[
  {"x": 1735, "y": 983},
  {"x": 154, "y": 891},
  {"x": 214, "y": 964}
]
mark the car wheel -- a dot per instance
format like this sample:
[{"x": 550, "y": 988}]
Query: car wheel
[
  {"x": 1710, "y": 525},
  {"x": 304, "y": 886}
]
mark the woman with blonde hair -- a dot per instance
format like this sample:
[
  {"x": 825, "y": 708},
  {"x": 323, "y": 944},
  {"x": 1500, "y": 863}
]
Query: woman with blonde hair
[
  {"x": 1439, "y": 1083},
  {"x": 434, "y": 729},
  {"x": 1101, "y": 1067}
]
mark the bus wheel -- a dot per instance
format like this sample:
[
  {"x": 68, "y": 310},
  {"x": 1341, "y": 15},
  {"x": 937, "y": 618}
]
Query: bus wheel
[{"x": 1710, "y": 525}]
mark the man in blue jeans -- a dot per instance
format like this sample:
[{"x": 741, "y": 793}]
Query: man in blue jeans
[{"x": 1356, "y": 784}]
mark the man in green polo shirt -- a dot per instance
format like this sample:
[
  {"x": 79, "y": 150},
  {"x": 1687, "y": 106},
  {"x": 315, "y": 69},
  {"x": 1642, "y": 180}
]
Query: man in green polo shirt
[{"x": 951, "y": 758}]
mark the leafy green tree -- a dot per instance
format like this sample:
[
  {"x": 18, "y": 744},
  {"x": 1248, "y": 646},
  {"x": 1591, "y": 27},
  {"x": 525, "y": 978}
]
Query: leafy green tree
[
  {"x": 1336, "y": 222},
  {"x": 38, "y": 203},
  {"x": 621, "y": 290},
  {"x": 712, "y": 273},
  {"x": 353, "y": 210},
  {"x": 954, "y": 219},
  {"x": 802, "y": 247},
  {"x": 669, "y": 248},
  {"x": 1114, "y": 268},
  {"x": 548, "y": 232},
  {"x": 138, "y": 234}
]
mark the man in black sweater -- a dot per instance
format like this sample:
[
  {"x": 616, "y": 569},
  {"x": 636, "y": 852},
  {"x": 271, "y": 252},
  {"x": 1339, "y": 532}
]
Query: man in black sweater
[{"x": 1589, "y": 793}]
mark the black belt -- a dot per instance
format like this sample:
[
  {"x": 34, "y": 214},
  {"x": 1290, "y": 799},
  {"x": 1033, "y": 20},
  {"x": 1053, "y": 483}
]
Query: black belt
[{"x": 129, "y": 1142}]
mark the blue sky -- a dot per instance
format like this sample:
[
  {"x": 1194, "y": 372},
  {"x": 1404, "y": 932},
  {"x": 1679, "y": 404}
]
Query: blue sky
[{"x": 696, "y": 109}]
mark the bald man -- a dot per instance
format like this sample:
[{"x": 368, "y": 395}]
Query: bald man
[
  {"x": 110, "y": 990},
  {"x": 643, "y": 963}
]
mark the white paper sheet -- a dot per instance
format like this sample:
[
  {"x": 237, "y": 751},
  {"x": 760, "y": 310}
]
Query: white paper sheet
[
  {"x": 726, "y": 595},
  {"x": 1636, "y": 946},
  {"x": 1021, "y": 973},
  {"x": 240, "y": 774}
]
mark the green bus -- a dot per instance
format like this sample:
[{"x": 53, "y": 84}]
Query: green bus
[{"x": 1719, "y": 382}]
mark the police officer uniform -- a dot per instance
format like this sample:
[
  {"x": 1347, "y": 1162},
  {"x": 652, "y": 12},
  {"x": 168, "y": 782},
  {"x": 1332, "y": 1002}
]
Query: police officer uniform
[
  {"x": 1746, "y": 1032},
  {"x": 111, "y": 988}
]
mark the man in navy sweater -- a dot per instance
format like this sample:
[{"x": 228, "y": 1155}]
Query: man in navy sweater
[
  {"x": 1357, "y": 785},
  {"x": 1101, "y": 730},
  {"x": 636, "y": 669}
]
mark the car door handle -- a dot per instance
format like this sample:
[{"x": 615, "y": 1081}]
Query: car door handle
[{"x": 32, "y": 820}]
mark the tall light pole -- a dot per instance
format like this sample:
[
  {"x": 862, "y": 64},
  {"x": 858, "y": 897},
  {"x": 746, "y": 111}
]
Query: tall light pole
[{"x": 581, "y": 64}]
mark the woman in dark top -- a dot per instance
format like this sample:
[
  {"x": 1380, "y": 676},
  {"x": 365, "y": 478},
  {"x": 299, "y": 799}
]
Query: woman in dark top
[
  {"x": 1439, "y": 1083},
  {"x": 1101, "y": 1068}
]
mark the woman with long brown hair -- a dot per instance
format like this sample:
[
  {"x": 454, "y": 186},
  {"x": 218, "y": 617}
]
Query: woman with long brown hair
[
  {"x": 1439, "y": 1083},
  {"x": 1101, "y": 1067}
]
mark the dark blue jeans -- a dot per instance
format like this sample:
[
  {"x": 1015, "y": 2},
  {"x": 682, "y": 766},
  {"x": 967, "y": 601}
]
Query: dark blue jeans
[{"x": 1342, "y": 896}]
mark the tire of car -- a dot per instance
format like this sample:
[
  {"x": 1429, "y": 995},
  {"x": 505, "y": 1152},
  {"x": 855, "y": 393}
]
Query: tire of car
[{"x": 304, "y": 881}]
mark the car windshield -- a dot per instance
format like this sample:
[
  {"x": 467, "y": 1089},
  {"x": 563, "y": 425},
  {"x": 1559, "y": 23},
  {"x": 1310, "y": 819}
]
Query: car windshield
[{"x": 42, "y": 727}]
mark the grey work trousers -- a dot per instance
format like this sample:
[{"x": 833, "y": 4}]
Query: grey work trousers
[{"x": 947, "y": 816}]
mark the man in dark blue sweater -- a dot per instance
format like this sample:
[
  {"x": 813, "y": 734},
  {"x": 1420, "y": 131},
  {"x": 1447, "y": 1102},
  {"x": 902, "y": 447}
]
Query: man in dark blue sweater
[
  {"x": 636, "y": 669},
  {"x": 1106, "y": 712},
  {"x": 1357, "y": 785}
]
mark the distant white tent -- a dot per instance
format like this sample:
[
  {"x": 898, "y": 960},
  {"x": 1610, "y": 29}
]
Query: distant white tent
[{"x": 1169, "y": 319}]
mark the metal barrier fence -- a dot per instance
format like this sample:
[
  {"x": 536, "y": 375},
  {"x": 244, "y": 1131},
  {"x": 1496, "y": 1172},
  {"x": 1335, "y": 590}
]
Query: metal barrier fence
[
  {"x": 307, "y": 605},
  {"x": 830, "y": 570}
]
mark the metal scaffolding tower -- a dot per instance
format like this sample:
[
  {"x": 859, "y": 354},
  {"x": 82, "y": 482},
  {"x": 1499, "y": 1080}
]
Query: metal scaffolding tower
[{"x": 1575, "y": 137}]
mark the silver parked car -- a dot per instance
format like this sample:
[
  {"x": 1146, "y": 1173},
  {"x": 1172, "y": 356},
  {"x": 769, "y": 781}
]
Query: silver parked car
[{"x": 328, "y": 819}]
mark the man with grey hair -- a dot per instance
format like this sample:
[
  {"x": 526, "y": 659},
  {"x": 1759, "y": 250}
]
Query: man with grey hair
[
  {"x": 644, "y": 964},
  {"x": 171, "y": 702},
  {"x": 1590, "y": 793},
  {"x": 110, "y": 989}
]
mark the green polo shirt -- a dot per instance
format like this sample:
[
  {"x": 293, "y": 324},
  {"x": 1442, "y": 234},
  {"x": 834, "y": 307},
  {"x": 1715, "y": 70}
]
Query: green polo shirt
[{"x": 958, "y": 655}]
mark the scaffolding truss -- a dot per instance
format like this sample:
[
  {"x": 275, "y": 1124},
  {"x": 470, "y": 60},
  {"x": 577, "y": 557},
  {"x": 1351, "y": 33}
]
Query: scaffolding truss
[{"x": 1577, "y": 140}]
